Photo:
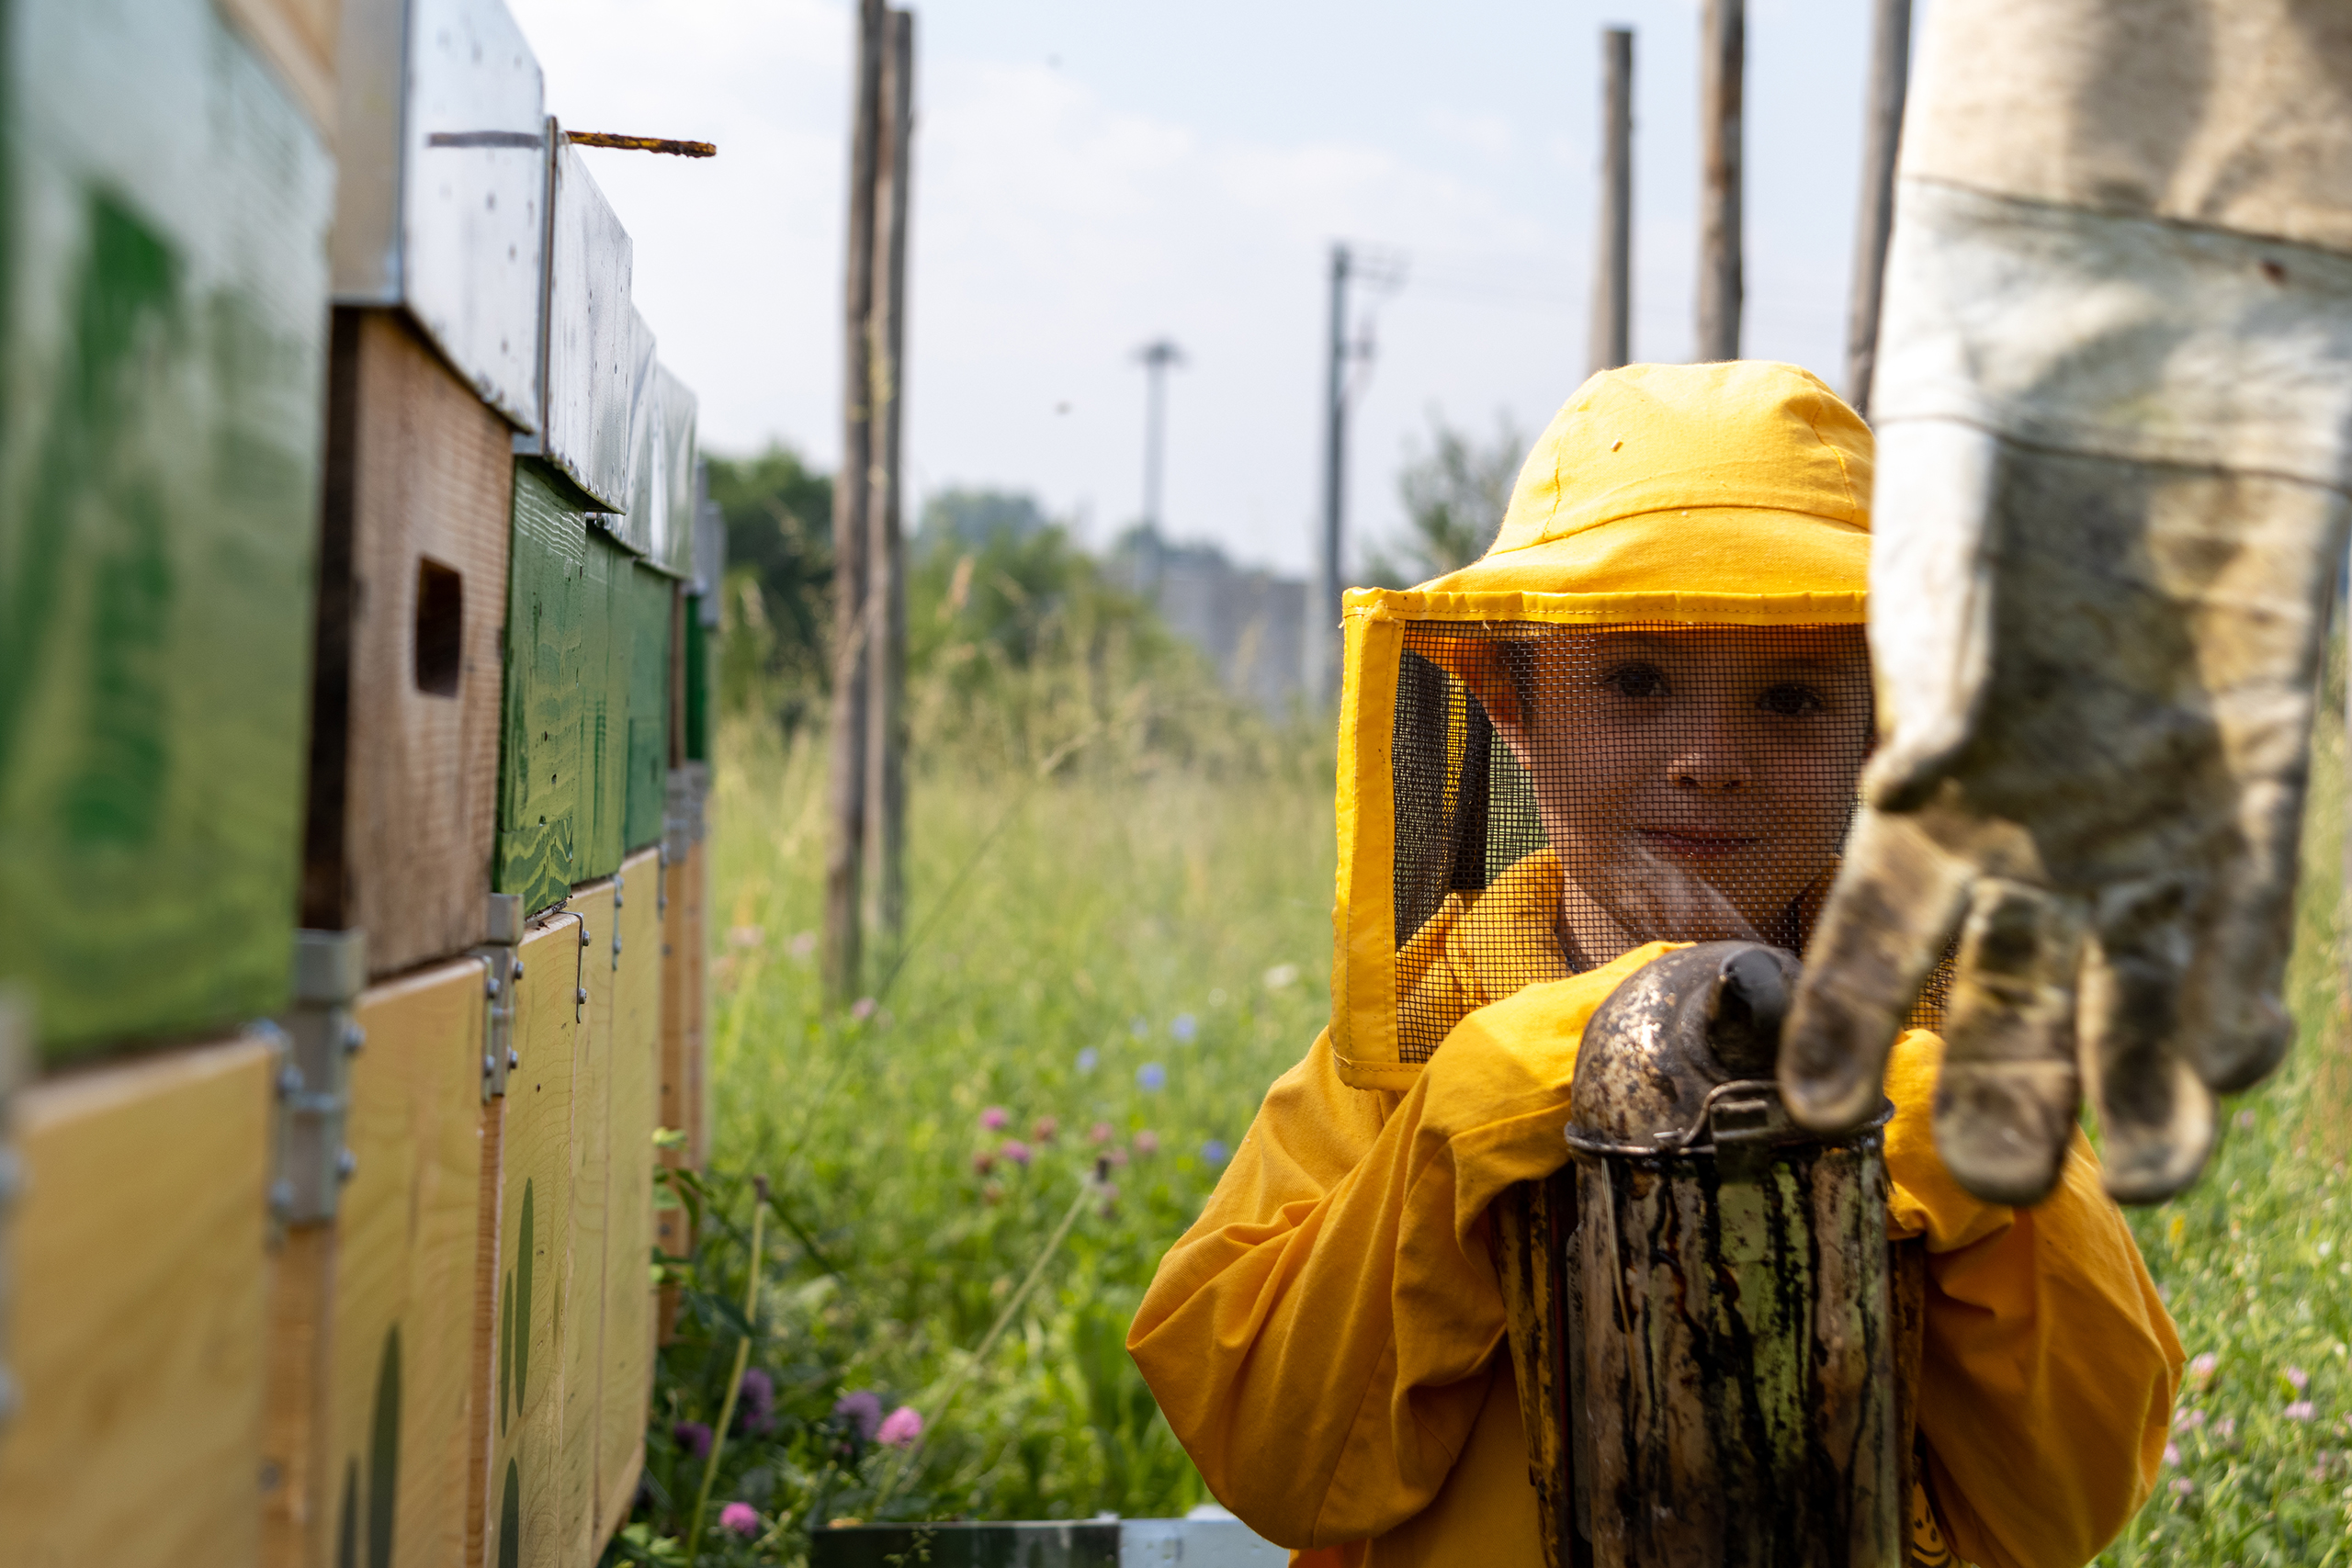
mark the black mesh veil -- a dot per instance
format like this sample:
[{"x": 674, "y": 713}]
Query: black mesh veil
[{"x": 1565, "y": 793}]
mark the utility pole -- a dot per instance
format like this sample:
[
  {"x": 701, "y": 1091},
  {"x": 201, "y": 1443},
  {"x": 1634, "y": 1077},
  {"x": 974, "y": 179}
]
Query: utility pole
[
  {"x": 1323, "y": 629},
  {"x": 1882, "y": 134},
  {"x": 845, "y": 847},
  {"x": 886, "y": 734},
  {"x": 1612, "y": 270},
  {"x": 1157, "y": 358},
  {"x": 1723, "y": 67}
]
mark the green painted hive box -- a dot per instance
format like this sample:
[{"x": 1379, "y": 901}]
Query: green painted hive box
[{"x": 164, "y": 208}]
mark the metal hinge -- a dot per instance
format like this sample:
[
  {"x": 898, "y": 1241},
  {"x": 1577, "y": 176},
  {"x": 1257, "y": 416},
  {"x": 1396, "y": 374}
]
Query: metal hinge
[
  {"x": 620, "y": 886},
  {"x": 322, "y": 1036},
  {"x": 16, "y": 1054},
  {"x": 501, "y": 969}
]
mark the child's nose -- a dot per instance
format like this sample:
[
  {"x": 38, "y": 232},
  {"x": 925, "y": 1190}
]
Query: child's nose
[{"x": 1711, "y": 760}]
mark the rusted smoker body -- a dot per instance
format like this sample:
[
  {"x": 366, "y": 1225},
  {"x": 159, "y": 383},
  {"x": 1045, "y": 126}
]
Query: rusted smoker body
[{"x": 1714, "y": 1347}]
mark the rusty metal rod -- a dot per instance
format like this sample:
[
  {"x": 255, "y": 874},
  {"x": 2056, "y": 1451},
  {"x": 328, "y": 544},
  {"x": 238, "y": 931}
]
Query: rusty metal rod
[{"x": 642, "y": 143}]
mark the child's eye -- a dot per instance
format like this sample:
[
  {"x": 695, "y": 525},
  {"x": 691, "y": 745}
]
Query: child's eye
[
  {"x": 1636, "y": 680},
  {"x": 1790, "y": 699}
]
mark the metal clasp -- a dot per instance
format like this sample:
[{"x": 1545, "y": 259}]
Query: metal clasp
[
  {"x": 313, "y": 1092},
  {"x": 502, "y": 971}
]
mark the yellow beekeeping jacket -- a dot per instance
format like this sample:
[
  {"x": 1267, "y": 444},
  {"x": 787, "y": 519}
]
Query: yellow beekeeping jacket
[{"x": 1327, "y": 1339}]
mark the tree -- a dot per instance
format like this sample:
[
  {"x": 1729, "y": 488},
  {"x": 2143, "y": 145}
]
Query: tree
[
  {"x": 779, "y": 515},
  {"x": 1455, "y": 492}
]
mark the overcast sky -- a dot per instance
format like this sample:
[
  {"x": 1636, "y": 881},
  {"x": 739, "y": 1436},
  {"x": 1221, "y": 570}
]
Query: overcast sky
[{"x": 1093, "y": 173}]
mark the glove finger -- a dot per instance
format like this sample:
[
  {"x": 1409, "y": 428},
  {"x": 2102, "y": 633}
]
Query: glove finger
[
  {"x": 2155, "y": 1112},
  {"x": 2234, "y": 1028},
  {"x": 1890, "y": 913},
  {"x": 2006, "y": 1100}
]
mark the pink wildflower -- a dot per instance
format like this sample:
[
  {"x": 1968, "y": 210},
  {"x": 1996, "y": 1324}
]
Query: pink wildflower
[
  {"x": 861, "y": 1009},
  {"x": 900, "y": 1427},
  {"x": 1115, "y": 1156},
  {"x": 1102, "y": 1132},
  {"x": 741, "y": 1517},
  {"x": 2200, "y": 1369},
  {"x": 2171, "y": 1453},
  {"x": 2182, "y": 1486},
  {"x": 2189, "y": 1420},
  {"x": 1045, "y": 1130},
  {"x": 995, "y": 1119},
  {"x": 1146, "y": 1144},
  {"x": 1014, "y": 1150},
  {"x": 2226, "y": 1428},
  {"x": 2299, "y": 1411},
  {"x": 2297, "y": 1379}
]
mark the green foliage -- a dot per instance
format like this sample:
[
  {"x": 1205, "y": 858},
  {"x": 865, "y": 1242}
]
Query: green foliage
[
  {"x": 777, "y": 611},
  {"x": 1066, "y": 934},
  {"x": 1455, "y": 492}
]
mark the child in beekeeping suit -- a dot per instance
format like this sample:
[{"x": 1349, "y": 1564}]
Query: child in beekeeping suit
[{"x": 1638, "y": 721}]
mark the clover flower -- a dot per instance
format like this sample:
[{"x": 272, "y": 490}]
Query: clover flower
[
  {"x": 860, "y": 1411},
  {"x": 1146, "y": 1144},
  {"x": 693, "y": 1437},
  {"x": 1014, "y": 1150},
  {"x": 755, "y": 1402},
  {"x": 2297, "y": 1379},
  {"x": 862, "y": 1010},
  {"x": 2182, "y": 1486},
  {"x": 1152, "y": 1076},
  {"x": 2299, "y": 1411},
  {"x": 2201, "y": 1367},
  {"x": 741, "y": 1517},
  {"x": 1101, "y": 1133},
  {"x": 995, "y": 1119},
  {"x": 2171, "y": 1453},
  {"x": 2187, "y": 1420},
  {"x": 900, "y": 1427}
]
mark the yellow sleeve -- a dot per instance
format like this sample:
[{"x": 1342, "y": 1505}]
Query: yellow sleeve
[
  {"x": 2050, "y": 1365},
  {"x": 1322, "y": 1339}
]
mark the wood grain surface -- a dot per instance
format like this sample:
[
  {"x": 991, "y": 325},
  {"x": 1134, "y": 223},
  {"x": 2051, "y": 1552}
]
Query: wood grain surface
[
  {"x": 627, "y": 1358},
  {"x": 539, "y": 786},
  {"x": 407, "y": 676},
  {"x": 140, "y": 1357},
  {"x": 582, "y": 1351}
]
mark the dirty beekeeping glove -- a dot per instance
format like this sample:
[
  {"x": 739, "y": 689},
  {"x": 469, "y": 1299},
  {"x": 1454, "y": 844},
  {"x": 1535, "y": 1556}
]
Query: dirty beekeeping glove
[{"x": 2113, "y": 406}]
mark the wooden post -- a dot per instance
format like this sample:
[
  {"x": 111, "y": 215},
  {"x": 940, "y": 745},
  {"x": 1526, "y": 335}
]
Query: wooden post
[
  {"x": 1723, "y": 56},
  {"x": 886, "y": 744},
  {"x": 1881, "y": 132},
  {"x": 1612, "y": 271},
  {"x": 844, "y": 852}
]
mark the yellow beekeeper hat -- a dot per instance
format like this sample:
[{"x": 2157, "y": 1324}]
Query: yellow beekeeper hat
[{"x": 1735, "y": 493}]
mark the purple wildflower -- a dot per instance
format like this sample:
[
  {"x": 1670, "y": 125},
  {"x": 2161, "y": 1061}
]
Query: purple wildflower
[
  {"x": 1152, "y": 1076},
  {"x": 1214, "y": 1152},
  {"x": 2246, "y": 1121},
  {"x": 741, "y": 1517},
  {"x": 1087, "y": 1058},
  {"x": 755, "y": 1404},
  {"x": 996, "y": 1119},
  {"x": 860, "y": 1411},
  {"x": 1015, "y": 1150},
  {"x": 1185, "y": 1028},
  {"x": 900, "y": 1427},
  {"x": 693, "y": 1437}
]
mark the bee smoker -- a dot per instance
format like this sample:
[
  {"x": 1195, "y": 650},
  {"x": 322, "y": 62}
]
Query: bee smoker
[{"x": 1699, "y": 1304}]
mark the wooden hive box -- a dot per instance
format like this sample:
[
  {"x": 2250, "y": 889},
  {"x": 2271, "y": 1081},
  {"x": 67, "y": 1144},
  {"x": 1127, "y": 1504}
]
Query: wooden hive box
[
  {"x": 588, "y": 1232},
  {"x": 652, "y": 613},
  {"x": 548, "y": 607},
  {"x": 607, "y": 652},
  {"x": 523, "y": 1298},
  {"x": 626, "y": 1368},
  {"x": 163, "y": 338},
  {"x": 413, "y": 595},
  {"x": 373, "y": 1396},
  {"x": 138, "y": 1335}
]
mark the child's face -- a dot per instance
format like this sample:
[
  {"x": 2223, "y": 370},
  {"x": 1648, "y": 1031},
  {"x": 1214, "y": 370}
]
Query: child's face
[{"x": 1695, "y": 782}]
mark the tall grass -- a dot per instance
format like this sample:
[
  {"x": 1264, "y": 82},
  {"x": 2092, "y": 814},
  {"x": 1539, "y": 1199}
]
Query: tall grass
[{"x": 1116, "y": 961}]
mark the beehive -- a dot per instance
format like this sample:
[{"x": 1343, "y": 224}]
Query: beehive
[
  {"x": 412, "y": 575},
  {"x": 163, "y": 298},
  {"x": 548, "y": 610}
]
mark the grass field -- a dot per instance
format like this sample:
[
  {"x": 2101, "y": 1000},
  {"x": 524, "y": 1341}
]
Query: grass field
[{"x": 1103, "y": 974}]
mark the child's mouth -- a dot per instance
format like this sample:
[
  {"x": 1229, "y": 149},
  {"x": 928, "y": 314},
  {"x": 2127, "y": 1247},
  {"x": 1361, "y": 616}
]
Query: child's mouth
[{"x": 1684, "y": 844}]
